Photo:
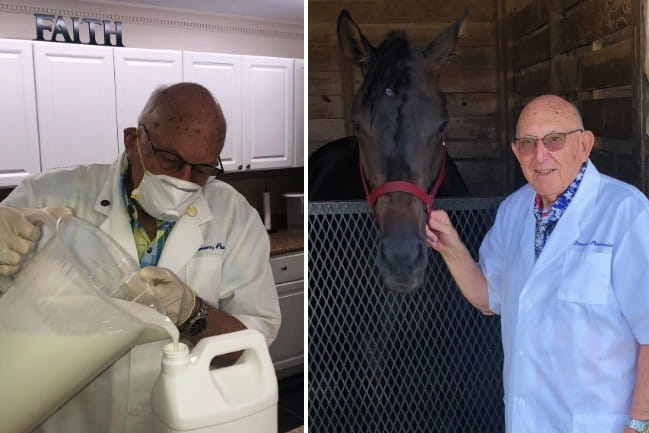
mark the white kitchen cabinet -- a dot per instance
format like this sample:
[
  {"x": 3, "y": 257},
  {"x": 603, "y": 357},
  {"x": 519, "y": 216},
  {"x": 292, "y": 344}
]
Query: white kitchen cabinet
[
  {"x": 18, "y": 123},
  {"x": 75, "y": 90},
  {"x": 221, "y": 75},
  {"x": 287, "y": 351},
  {"x": 138, "y": 72},
  {"x": 268, "y": 134},
  {"x": 298, "y": 110}
]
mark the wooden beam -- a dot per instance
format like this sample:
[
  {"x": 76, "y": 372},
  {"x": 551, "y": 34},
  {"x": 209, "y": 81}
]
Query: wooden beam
[
  {"x": 640, "y": 97},
  {"x": 612, "y": 66}
]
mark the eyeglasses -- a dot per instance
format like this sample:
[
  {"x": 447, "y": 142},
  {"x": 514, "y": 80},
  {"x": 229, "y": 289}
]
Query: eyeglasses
[
  {"x": 552, "y": 142},
  {"x": 173, "y": 162}
]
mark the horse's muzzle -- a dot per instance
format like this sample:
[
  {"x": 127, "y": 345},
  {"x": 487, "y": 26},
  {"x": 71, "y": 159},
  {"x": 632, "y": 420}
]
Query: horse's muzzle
[{"x": 402, "y": 263}]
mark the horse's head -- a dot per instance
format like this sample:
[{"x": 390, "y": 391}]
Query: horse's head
[{"x": 399, "y": 114}]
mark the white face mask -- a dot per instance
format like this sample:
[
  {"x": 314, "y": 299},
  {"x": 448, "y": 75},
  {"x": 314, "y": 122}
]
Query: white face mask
[{"x": 165, "y": 197}]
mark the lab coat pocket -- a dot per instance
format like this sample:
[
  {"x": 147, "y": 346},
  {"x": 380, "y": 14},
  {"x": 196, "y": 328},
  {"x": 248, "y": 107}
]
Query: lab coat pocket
[
  {"x": 205, "y": 277},
  {"x": 595, "y": 423},
  {"x": 585, "y": 277}
]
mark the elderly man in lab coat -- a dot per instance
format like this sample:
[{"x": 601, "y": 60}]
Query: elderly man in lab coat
[
  {"x": 566, "y": 265},
  {"x": 201, "y": 245}
]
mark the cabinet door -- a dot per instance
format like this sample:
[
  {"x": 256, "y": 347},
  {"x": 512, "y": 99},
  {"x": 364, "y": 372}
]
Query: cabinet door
[
  {"x": 288, "y": 348},
  {"x": 268, "y": 112},
  {"x": 298, "y": 109},
  {"x": 137, "y": 74},
  {"x": 221, "y": 75},
  {"x": 19, "y": 145},
  {"x": 75, "y": 87}
]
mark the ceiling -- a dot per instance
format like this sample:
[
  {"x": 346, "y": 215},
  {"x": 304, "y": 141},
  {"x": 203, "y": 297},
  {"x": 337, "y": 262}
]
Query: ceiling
[{"x": 291, "y": 11}]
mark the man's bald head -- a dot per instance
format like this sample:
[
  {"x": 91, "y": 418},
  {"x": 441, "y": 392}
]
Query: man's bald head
[
  {"x": 183, "y": 108},
  {"x": 553, "y": 108}
]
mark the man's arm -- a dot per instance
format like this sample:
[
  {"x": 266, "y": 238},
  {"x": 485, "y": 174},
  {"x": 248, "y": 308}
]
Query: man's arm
[
  {"x": 640, "y": 402},
  {"x": 442, "y": 237}
]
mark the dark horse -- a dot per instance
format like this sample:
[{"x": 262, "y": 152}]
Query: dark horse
[{"x": 400, "y": 120}]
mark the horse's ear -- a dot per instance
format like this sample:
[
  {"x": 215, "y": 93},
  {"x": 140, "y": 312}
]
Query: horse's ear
[
  {"x": 351, "y": 40},
  {"x": 443, "y": 45}
]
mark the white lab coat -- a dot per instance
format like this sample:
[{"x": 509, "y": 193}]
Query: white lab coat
[
  {"x": 222, "y": 253},
  {"x": 571, "y": 321}
]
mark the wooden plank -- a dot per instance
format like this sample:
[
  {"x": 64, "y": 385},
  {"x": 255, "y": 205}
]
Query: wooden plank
[
  {"x": 472, "y": 128},
  {"x": 404, "y": 11},
  {"x": 326, "y": 129},
  {"x": 473, "y": 57},
  {"x": 488, "y": 171},
  {"x": 568, "y": 66},
  {"x": 471, "y": 104},
  {"x": 609, "y": 118},
  {"x": 591, "y": 20},
  {"x": 326, "y": 107},
  {"x": 611, "y": 145},
  {"x": 473, "y": 149},
  {"x": 420, "y": 34},
  {"x": 609, "y": 67},
  {"x": 533, "y": 48},
  {"x": 533, "y": 81},
  {"x": 528, "y": 19},
  {"x": 324, "y": 59},
  {"x": 325, "y": 83},
  {"x": 468, "y": 80},
  {"x": 567, "y": 4}
]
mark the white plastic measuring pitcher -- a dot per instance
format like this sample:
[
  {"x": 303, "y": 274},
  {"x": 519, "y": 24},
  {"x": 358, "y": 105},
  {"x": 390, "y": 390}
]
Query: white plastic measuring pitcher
[
  {"x": 59, "y": 324},
  {"x": 242, "y": 398}
]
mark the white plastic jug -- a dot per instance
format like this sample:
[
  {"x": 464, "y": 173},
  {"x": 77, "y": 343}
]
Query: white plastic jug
[
  {"x": 60, "y": 326},
  {"x": 241, "y": 398}
]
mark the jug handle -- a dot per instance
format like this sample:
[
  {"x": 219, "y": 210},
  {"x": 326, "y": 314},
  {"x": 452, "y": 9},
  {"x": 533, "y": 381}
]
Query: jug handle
[
  {"x": 210, "y": 347},
  {"x": 34, "y": 216}
]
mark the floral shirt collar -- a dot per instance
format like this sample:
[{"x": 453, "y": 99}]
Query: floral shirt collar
[{"x": 546, "y": 219}]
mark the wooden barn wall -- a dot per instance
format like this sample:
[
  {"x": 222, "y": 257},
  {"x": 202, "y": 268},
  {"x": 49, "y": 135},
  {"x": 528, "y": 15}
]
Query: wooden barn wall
[
  {"x": 591, "y": 52},
  {"x": 470, "y": 78}
]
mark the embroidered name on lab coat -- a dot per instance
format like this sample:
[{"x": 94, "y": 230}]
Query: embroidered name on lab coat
[
  {"x": 593, "y": 243},
  {"x": 216, "y": 246}
]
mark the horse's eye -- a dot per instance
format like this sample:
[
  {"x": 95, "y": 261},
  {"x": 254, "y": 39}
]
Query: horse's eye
[{"x": 443, "y": 127}]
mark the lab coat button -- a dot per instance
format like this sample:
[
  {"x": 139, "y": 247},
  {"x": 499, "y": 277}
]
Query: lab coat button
[
  {"x": 104, "y": 202},
  {"x": 521, "y": 402},
  {"x": 521, "y": 353}
]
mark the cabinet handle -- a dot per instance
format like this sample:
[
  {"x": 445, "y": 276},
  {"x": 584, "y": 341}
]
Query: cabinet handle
[
  {"x": 240, "y": 167},
  {"x": 283, "y": 268},
  {"x": 248, "y": 166}
]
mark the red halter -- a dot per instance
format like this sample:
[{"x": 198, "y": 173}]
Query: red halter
[{"x": 403, "y": 186}]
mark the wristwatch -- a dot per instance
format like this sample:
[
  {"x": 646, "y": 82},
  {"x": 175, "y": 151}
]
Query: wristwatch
[
  {"x": 196, "y": 324},
  {"x": 639, "y": 425}
]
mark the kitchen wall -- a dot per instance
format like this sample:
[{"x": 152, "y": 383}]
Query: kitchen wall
[{"x": 146, "y": 27}]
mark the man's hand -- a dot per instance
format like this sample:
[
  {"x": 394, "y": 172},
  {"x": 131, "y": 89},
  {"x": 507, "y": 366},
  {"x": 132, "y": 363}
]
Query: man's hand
[
  {"x": 178, "y": 298},
  {"x": 440, "y": 233},
  {"x": 18, "y": 235}
]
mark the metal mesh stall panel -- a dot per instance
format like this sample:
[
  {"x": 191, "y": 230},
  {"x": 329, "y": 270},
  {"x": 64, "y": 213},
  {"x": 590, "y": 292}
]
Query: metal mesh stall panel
[{"x": 381, "y": 362}]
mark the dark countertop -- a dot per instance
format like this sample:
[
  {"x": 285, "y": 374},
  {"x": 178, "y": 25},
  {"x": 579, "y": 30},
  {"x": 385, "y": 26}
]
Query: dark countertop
[{"x": 285, "y": 241}]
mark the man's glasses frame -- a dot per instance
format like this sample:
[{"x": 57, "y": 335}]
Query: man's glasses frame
[
  {"x": 552, "y": 142},
  {"x": 173, "y": 162}
]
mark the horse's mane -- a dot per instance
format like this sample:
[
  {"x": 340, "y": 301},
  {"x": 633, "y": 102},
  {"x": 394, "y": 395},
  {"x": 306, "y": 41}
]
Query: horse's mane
[{"x": 389, "y": 68}]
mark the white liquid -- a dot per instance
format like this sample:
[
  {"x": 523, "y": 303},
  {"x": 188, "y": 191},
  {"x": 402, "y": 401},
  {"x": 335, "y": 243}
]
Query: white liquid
[
  {"x": 160, "y": 326},
  {"x": 38, "y": 373},
  {"x": 41, "y": 371}
]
